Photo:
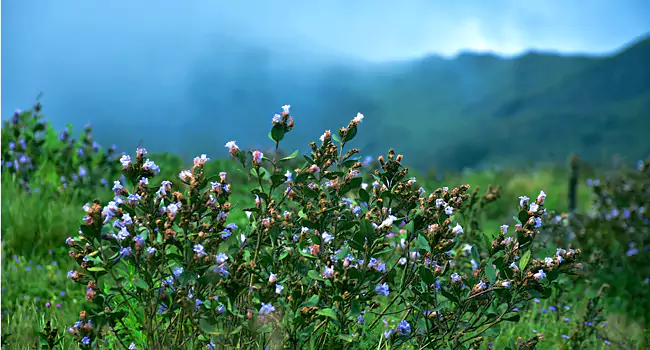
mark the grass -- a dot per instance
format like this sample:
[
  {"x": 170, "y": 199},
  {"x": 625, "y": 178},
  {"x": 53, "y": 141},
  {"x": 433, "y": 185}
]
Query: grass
[{"x": 35, "y": 262}]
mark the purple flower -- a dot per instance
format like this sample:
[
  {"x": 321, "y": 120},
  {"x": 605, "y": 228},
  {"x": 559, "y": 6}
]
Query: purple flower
[
  {"x": 177, "y": 271},
  {"x": 125, "y": 252},
  {"x": 382, "y": 289},
  {"x": 199, "y": 250},
  {"x": 221, "y": 258},
  {"x": 266, "y": 309},
  {"x": 404, "y": 328}
]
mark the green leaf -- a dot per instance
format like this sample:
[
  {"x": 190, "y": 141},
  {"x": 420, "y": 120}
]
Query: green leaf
[
  {"x": 327, "y": 312},
  {"x": 291, "y": 156},
  {"x": 355, "y": 309},
  {"x": 127, "y": 209},
  {"x": 315, "y": 275},
  {"x": 475, "y": 255},
  {"x": 336, "y": 138},
  {"x": 87, "y": 231},
  {"x": 278, "y": 179},
  {"x": 309, "y": 192},
  {"x": 140, "y": 283},
  {"x": 277, "y": 133},
  {"x": 208, "y": 327},
  {"x": 346, "y": 337},
  {"x": 513, "y": 318},
  {"x": 422, "y": 243},
  {"x": 448, "y": 295},
  {"x": 364, "y": 196},
  {"x": 490, "y": 272},
  {"x": 352, "y": 132},
  {"x": 96, "y": 269},
  {"x": 353, "y": 184},
  {"x": 366, "y": 229},
  {"x": 523, "y": 216},
  {"x": 284, "y": 254},
  {"x": 524, "y": 260},
  {"x": 426, "y": 275},
  {"x": 312, "y": 301},
  {"x": 264, "y": 173}
]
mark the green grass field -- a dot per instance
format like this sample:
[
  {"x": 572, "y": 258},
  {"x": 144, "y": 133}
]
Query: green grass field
[{"x": 35, "y": 263}]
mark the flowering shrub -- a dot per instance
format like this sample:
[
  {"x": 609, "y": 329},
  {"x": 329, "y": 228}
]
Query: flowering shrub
[
  {"x": 32, "y": 152},
  {"x": 616, "y": 236},
  {"x": 324, "y": 259}
]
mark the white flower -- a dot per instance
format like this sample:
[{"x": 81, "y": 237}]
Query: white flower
[
  {"x": 539, "y": 275},
  {"x": 201, "y": 160},
  {"x": 480, "y": 286},
  {"x": 523, "y": 200},
  {"x": 548, "y": 261},
  {"x": 388, "y": 222},
  {"x": 327, "y": 237},
  {"x": 358, "y": 118},
  {"x": 455, "y": 277}
]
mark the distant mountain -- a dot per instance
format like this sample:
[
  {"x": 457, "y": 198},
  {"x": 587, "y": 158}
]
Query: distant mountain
[
  {"x": 483, "y": 110},
  {"x": 472, "y": 110}
]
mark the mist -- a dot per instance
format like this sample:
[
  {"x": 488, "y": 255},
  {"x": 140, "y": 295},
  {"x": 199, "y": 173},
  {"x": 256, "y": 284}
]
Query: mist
[
  {"x": 187, "y": 77},
  {"x": 179, "y": 77}
]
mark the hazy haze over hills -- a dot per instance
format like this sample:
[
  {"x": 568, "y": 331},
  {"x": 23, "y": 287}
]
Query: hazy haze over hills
[{"x": 187, "y": 77}]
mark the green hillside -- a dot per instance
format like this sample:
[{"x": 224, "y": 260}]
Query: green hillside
[
  {"x": 482, "y": 110},
  {"x": 473, "y": 110}
]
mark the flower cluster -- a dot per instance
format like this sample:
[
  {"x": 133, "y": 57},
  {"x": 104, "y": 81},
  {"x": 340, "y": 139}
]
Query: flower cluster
[
  {"x": 615, "y": 234},
  {"x": 34, "y": 154},
  {"x": 330, "y": 254}
]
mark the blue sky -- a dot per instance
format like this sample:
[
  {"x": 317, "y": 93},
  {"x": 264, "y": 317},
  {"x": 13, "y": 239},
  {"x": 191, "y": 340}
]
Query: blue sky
[
  {"x": 373, "y": 30},
  {"x": 384, "y": 30},
  {"x": 125, "y": 60}
]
